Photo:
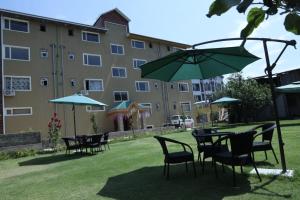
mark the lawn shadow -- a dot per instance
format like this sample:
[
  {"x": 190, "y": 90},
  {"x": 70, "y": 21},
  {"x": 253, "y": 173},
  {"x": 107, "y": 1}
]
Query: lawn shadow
[
  {"x": 149, "y": 183},
  {"x": 50, "y": 159}
]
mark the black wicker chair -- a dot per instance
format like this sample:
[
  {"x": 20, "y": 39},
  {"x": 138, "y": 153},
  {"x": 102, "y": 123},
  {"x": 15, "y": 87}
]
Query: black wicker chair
[
  {"x": 240, "y": 153},
  {"x": 70, "y": 145},
  {"x": 94, "y": 142},
  {"x": 205, "y": 145},
  {"x": 104, "y": 141},
  {"x": 265, "y": 144},
  {"x": 175, "y": 157}
]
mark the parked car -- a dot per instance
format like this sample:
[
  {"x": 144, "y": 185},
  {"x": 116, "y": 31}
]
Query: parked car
[{"x": 177, "y": 121}]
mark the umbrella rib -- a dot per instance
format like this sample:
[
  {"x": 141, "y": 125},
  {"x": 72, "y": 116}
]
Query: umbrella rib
[{"x": 223, "y": 63}]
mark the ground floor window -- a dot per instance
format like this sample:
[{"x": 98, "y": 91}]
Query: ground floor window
[
  {"x": 95, "y": 108},
  {"x": 121, "y": 96},
  {"x": 18, "y": 111},
  {"x": 186, "y": 106}
]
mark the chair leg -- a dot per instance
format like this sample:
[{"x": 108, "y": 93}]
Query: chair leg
[
  {"x": 233, "y": 175},
  {"x": 168, "y": 171},
  {"x": 186, "y": 167},
  {"x": 194, "y": 169},
  {"x": 254, "y": 165},
  {"x": 242, "y": 169},
  {"x": 275, "y": 155},
  {"x": 164, "y": 169},
  {"x": 203, "y": 163},
  {"x": 266, "y": 155},
  {"x": 199, "y": 158}
]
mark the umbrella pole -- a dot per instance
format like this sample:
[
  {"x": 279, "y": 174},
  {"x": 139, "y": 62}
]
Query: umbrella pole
[
  {"x": 74, "y": 118},
  {"x": 280, "y": 141}
]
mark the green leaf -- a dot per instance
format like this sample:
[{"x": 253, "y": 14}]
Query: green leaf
[
  {"x": 219, "y": 7},
  {"x": 292, "y": 23},
  {"x": 254, "y": 18},
  {"x": 242, "y": 7}
]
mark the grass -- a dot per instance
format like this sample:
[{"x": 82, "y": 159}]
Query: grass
[{"x": 133, "y": 170}]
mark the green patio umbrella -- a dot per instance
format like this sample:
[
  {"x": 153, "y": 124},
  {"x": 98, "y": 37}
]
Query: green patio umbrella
[
  {"x": 77, "y": 99},
  {"x": 226, "y": 101},
  {"x": 290, "y": 88},
  {"x": 198, "y": 64}
]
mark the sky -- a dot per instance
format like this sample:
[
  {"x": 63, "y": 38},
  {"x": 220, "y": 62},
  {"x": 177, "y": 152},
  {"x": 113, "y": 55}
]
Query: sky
[{"x": 175, "y": 20}]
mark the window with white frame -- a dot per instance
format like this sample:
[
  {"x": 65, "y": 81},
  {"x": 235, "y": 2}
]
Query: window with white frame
[
  {"x": 121, "y": 96},
  {"x": 95, "y": 85},
  {"x": 17, "y": 83},
  {"x": 90, "y": 37},
  {"x": 16, "y": 53},
  {"x": 196, "y": 86},
  {"x": 183, "y": 87},
  {"x": 138, "y": 44},
  {"x": 147, "y": 106},
  {"x": 119, "y": 72},
  {"x": 95, "y": 108},
  {"x": 92, "y": 60},
  {"x": 117, "y": 49},
  {"x": 186, "y": 106},
  {"x": 18, "y": 111},
  {"x": 16, "y": 25},
  {"x": 138, "y": 62},
  {"x": 142, "y": 86}
]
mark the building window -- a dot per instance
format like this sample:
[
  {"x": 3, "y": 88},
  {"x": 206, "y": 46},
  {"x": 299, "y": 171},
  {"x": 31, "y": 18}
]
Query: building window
[
  {"x": 44, "y": 81},
  {"x": 16, "y": 53},
  {"x": 147, "y": 106},
  {"x": 95, "y": 108},
  {"x": 17, "y": 83},
  {"x": 138, "y": 62},
  {"x": 44, "y": 53},
  {"x": 73, "y": 83},
  {"x": 71, "y": 56},
  {"x": 156, "y": 85},
  {"x": 142, "y": 86},
  {"x": 119, "y": 72},
  {"x": 137, "y": 44},
  {"x": 197, "y": 98},
  {"x": 90, "y": 37},
  {"x": 18, "y": 111},
  {"x": 95, "y": 85},
  {"x": 168, "y": 48},
  {"x": 172, "y": 86},
  {"x": 117, "y": 49},
  {"x": 70, "y": 32},
  {"x": 43, "y": 27},
  {"x": 16, "y": 25},
  {"x": 92, "y": 60},
  {"x": 186, "y": 106},
  {"x": 196, "y": 87},
  {"x": 121, "y": 96},
  {"x": 183, "y": 87}
]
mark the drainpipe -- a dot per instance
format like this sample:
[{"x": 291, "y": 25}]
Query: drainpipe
[
  {"x": 62, "y": 47},
  {"x": 53, "y": 46},
  {"x": 2, "y": 77}
]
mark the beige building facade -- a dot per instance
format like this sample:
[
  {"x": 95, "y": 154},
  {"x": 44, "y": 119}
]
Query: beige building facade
[{"x": 45, "y": 58}]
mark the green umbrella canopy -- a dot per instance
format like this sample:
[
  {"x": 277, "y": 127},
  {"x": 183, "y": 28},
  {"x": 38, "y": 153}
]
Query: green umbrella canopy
[
  {"x": 77, "y": 99},
  {"x": 198, "y": 64},
  {"x": 226, "y": 101},
  {"x": 290, "y": 88}
]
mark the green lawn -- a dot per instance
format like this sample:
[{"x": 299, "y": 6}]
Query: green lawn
[{"x": 133, "y": 170}]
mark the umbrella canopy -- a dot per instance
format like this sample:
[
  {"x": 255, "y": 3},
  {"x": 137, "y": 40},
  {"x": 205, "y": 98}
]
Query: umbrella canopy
[
  {"x": 198, "y": 64},
  {"x": 290, "y": 88},
  {"x": 226, "y": 101},
  {"x": 77, "y": 99}
]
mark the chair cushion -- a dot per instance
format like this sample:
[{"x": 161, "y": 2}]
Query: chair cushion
[
  {"x": 209, "y": 150},
  {"x": 178, "y": 157},
  {"x": 226, "y": 157},
  {"x": 261, "y": 146}
]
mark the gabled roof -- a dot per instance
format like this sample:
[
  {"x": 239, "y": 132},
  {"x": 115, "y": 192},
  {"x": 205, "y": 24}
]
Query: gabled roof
[{"x": 119, "y": 12}]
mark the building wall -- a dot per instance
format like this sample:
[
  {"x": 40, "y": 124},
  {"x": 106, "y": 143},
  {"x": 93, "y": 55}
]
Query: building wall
[{"x": 60, "y": 71}]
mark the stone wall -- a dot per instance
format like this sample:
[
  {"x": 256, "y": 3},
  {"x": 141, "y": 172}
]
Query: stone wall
[{"x": 20, "y": 141}]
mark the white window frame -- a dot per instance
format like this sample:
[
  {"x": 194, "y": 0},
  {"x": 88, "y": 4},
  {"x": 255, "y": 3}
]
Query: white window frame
[
  {"x": 133, "y": 40},
  {"x": 112, "y": 75},
  {"x": 120, "y": 45},
  {"x": 90, "y": 79},
  {"x": 91, "y": 33},
  {"x": 88, "y": 109},
  {"x": 150, "y": 107},
  {"x": 186, "y": 102},
  {"x": 184, "y": 84},
  {"x": 137, "y": 59},
  {"x": 90, "y": 54},
  {"x": 44, "y": 51},
  {"x": 13, "y": 46},
  {"x": 12, "y": 108},
  {"x": 11, "y": 76},
  {"x": 137, "y": 90},
  {"x": 120, "y": 100},
  {"x": 14, "y": 19}
]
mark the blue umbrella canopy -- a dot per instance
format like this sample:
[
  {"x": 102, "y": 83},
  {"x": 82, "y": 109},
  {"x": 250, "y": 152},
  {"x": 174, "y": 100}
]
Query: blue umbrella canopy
[
  {"x": 290, "y": 88},
  {"x": 226, "y": 101},
  {"x": 77, "y": 99}
]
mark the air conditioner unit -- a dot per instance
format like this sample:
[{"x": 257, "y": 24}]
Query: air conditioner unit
[
  {"x": 9, "y": 93},
  {"x": 84, "y": 92}
]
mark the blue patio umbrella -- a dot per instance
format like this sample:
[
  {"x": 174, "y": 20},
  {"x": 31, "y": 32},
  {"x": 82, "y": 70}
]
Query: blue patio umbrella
[{"x": 77, "y": 99}]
